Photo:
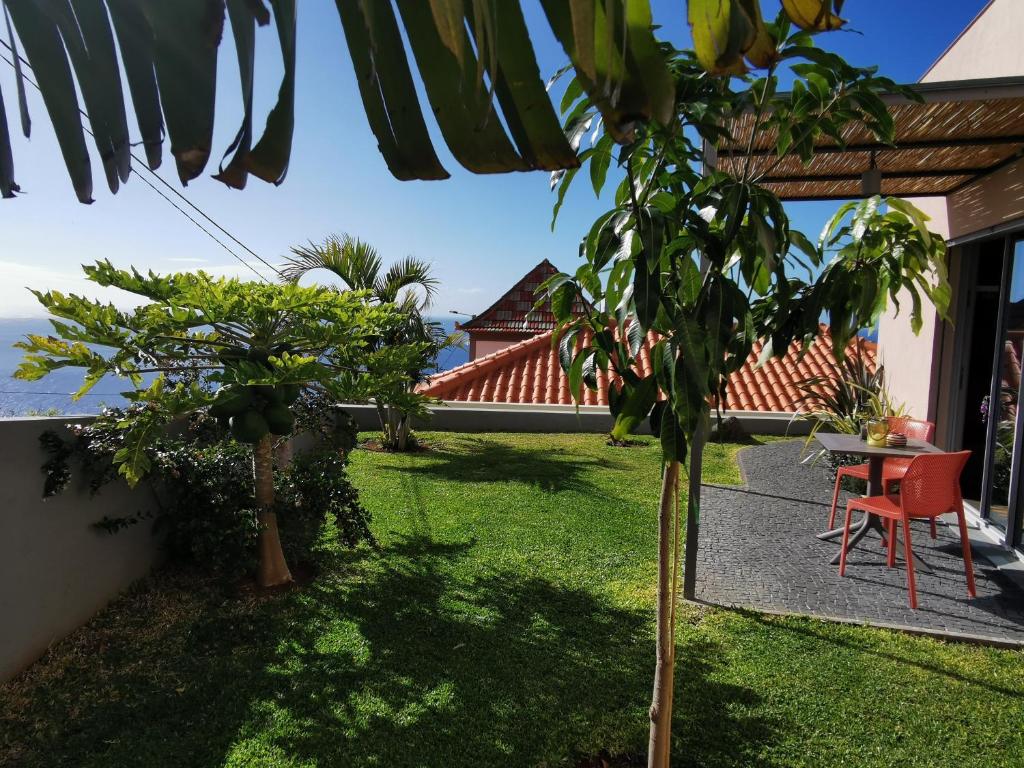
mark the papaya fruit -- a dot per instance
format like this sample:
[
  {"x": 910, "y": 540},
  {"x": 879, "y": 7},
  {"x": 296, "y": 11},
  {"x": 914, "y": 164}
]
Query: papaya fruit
[
  {"x": 249, "y": 427},
  {"x": 270, "y": 394},
  {"x": 231, "y": 401},
  {"x": 289, "y": 393},
  {"x": 279, "y": 418}
]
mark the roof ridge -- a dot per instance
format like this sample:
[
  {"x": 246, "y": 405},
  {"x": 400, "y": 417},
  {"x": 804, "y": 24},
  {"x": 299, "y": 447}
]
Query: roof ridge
[
  {"x": 483, "y": 364},
  {"x": 479, "y": 318}
]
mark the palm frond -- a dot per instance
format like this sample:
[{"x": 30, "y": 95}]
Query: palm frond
[
  {"x": 355, "y": 262},
  {"x": 407, "y": 273},
  {"x": 843, "y": 399}
]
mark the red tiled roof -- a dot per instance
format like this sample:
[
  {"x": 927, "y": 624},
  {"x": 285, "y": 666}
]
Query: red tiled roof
[
  {"x": 529, "y": 372},
  {"x": 514, "y": 311}
]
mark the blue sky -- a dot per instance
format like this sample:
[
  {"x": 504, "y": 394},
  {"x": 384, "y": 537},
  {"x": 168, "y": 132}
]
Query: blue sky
[{"x": 481, "y": 233}]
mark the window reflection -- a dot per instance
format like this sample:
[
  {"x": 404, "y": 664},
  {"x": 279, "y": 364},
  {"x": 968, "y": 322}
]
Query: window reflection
[{"x": 1005, "y": 409}]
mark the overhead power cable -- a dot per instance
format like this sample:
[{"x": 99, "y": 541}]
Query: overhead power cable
[{"x": 142, "y": 163}]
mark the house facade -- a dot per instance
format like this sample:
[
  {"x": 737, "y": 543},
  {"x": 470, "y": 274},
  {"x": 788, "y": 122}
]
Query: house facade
[
  {"x": 964, "y": 373},
  {"x": 514, "y": 317}
]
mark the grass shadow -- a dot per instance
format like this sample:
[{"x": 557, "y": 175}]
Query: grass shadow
[
  {"x": 808, "y": 630},
  {"x": 554, "y": 470},
  {"x": 395, "y": 658}
]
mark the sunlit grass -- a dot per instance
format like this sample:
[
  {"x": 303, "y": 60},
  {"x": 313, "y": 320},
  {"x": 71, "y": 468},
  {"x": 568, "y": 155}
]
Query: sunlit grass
[{"x": 505, "y": 620}]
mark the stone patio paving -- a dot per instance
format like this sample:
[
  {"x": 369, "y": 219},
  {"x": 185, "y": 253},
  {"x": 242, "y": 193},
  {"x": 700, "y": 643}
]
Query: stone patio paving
[{"x": 758, "y": 550}]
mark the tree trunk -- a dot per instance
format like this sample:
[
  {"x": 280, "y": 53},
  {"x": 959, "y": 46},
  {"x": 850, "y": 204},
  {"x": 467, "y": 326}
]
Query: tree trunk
[
  {"x": 403, "y": 432},
  {"x": 383, "y": 416},
  {"x": 661, "y": 702},
  {"x": 273, "y": 569},
  {"x": 693, "y": 512}
]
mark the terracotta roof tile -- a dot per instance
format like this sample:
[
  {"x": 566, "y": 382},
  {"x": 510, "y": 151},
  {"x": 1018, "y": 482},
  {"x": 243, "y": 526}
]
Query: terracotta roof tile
[
  {"x": 529, "y": 372},
  {"x": 514, "y": 311}
]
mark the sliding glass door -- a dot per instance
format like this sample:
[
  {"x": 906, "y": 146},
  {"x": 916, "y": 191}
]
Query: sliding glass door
[{"x": 1002, "y": 495}]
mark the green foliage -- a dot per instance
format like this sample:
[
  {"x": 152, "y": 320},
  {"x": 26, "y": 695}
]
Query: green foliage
[
  {"x": 257, "y": 344},
  {"x": 707, "y": 258},
  {"x": 844, "y": 399},
  {"x": 202, "y": 485},
  {"x": 472, "y": 58},
  {"x": 411, "y": 346}
]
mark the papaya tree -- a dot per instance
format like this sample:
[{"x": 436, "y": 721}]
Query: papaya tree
[
  {"x": 244, "y": 350},
  {"x": 705, "y": 258}
]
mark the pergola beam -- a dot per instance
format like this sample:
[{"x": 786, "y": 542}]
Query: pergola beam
[
  {"x": 876, "y": 146},
  {"x": 929, "y": 174}
]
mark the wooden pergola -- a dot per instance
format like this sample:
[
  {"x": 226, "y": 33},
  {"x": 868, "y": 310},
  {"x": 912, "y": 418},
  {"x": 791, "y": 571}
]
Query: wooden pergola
[{"x": 962, "y": 131}]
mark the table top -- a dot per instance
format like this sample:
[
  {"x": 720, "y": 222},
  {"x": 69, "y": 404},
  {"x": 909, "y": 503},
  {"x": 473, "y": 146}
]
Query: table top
[{"x": 852, "y": 444}]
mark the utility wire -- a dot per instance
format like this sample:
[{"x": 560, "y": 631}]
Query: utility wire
[
  {"x": 201, "y": 227},
  {"x": 163, "y": 181}
]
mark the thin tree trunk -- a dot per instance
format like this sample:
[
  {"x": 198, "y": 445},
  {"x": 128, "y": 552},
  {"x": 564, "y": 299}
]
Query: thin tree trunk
[
  {"x": 693, "y": 512},
  {"x": 382, "y": 414},
  {"x": 273, "y": 569},
  {"x": 676, "y": 554},
  {"x": 403, "y": 432},
  {"x": 661, "y": 701}
]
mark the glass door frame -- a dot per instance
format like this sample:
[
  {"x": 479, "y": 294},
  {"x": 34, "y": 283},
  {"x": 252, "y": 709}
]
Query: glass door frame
[{"x": 1013, "y": 246}]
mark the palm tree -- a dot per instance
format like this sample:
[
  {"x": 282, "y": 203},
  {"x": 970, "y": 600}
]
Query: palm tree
[{"x": 360, "y": 268}]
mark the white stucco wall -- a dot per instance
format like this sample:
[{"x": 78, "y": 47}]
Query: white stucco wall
[
  {"x": 990, "y": 47},
  {"x": 56, "y": 570},
  {"x": 990, "y": 201},
  {"x": 908, "y": 359}
]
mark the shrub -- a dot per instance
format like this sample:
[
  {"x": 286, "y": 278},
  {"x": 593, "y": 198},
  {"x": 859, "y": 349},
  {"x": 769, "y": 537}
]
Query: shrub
[
  {"x": 843, "y": 401},
  {"x": 202, "y": 484}
]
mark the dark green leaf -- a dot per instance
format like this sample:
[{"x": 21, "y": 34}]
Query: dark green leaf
[
  {"x": 387, "y": 89},
  {"x": 636, "y": 403}
]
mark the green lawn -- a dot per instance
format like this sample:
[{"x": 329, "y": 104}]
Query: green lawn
[{"x": 505, "y": 621}]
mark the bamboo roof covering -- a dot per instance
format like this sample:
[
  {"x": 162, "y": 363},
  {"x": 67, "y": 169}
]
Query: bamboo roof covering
[{"x": 963, "y": 130}]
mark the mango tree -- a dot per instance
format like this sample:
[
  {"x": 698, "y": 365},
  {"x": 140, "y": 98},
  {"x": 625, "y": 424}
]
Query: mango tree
[
  {"x": 242, "y": 349},
  {"x": 706, "y": 259}
]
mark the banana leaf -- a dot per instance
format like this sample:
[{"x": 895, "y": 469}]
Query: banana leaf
[
  {"x": 387, "y": 89},
  {"x": 521, "y": 93},
  {"x": 135, "y": 39},
  {"x": 243, "y": 27},
  {"x": 186, "y": 34},
  {"x": 7, "y": 185},
  {"x": 269, "y": 158},
  {"x": 463, "y": 107},
  {"x": 45, "y": 52}
]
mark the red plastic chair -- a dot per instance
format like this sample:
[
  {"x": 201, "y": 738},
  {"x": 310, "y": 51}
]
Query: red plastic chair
[
  {"x": 929, "y": 487},
  {"x": 892, "y": 469}
]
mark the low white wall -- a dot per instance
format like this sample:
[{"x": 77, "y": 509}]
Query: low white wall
[
  {"x": 459, "y": 416},
  {"x": 56, "y": 570}
]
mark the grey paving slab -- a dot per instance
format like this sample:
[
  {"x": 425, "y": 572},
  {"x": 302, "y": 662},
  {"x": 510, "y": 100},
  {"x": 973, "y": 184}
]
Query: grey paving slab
[{"x": 758, "y": 550}]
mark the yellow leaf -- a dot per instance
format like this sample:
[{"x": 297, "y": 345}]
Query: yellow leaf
[
  {"x": 813, "y": 15},
  {"x": 722, "y": 31},
  {"x": 763, "y": 52}
]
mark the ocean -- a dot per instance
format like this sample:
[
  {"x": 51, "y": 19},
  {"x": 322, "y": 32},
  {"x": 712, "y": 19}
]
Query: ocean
[{"x": 52, "y": 394}]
